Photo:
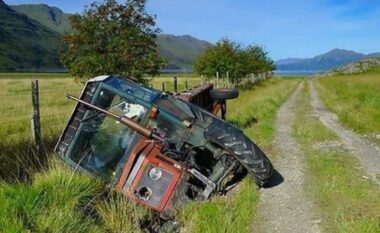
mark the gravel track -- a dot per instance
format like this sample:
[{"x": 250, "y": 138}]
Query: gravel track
[
  {"x": 367, "y": 152},
  {"x": 285, "y": 207}
]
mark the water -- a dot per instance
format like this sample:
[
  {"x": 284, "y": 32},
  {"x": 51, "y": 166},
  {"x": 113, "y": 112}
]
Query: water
[{"x": 297, "y": 72}]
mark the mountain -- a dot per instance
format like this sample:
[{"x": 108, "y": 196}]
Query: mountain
[
  {"x": 288, "y": 61},
  {"x": 51, "y": 17},
  {"x": 179, "y": 51},
  {"x": 323, "y": 62},
  {"x": 25, "y": 44}
]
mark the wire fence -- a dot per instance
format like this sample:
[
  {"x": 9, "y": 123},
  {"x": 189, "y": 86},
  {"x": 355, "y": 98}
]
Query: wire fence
[{"x": 16, "y": 102}]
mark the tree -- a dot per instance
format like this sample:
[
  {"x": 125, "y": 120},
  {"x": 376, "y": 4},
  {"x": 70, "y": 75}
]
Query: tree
[
  {"x": 112, "y": 38},
  {"x": 258, "y": 59},
  {"x": 239, "y": 62},
  {"x": 219, "y": 58}
]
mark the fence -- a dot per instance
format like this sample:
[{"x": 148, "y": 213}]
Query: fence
[
  {"x": 19, "y": 121},
  {"x": 52, "y": 109}
]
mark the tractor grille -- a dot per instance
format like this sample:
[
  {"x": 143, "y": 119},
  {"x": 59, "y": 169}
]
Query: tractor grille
[{"x": 157, "y": 187}]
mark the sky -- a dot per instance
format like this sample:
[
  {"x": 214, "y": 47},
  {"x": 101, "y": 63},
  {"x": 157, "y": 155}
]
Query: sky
[{"x": 285, "y": 28}]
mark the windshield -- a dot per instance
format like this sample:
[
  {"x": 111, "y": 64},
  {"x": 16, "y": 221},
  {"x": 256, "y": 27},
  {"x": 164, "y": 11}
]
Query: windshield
[{"x": 102, "y": 141}]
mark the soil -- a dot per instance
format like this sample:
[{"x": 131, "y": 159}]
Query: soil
[{"x": 284, "y": 207}]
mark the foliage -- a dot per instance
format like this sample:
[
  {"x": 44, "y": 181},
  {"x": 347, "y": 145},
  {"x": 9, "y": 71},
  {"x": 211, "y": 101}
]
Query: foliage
[
  {"x": 230, "y": 57},
  {"x": 112, "y": 38}
]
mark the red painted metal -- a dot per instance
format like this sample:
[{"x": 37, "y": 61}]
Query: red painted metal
[{"x": 155, "y": 158}]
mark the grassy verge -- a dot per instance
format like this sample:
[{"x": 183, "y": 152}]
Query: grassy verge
[
  {"x": 60, "y": 201},
  {"x": 236, "y": 212},
  {"x": 349, "y": 202},
  {"x": 355, "y": 99}
]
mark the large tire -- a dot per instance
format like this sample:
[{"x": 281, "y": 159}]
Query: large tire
[
  {"x": 242, "y": 148},
  {"x": 224, "y": 93}
]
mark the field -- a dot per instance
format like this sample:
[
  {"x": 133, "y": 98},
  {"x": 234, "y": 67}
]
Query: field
[
  {"x": 356, "y": 101},
  {"x": 56, "y": 200}
]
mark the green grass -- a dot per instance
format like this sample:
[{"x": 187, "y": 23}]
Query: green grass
[
  {"x": 355, "y": 99},
  {"x": 348, "y": 201},
  {"x": 236, "y": 212},
  {"x": 59, "y": 200},
  {"x": 262, "y": 103},
  {"x": 233, "y": 213}
]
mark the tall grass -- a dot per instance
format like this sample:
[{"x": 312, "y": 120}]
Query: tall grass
[
  {"x": 59, "y": 200},
  {"x": 355, "y": 99},
  {"x": 349, "y": 202}
]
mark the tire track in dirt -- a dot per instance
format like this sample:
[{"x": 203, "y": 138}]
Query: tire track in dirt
[
  {"x": 285, "y": 207},
  {"x": 367, "y": 152}
]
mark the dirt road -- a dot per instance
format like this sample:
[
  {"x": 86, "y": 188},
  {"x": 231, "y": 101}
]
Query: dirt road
[
  {"x": 285, "y": 207},
  {"x": 367, "y": 152}
]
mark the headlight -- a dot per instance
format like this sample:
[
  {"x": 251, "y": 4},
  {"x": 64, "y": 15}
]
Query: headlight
[{"x": 155, "y": 173}]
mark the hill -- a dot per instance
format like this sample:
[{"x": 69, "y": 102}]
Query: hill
[
  {"x": 373, "y": 55},
  {"x": 51, "y": 17},
  {"x": 362, "y": 66},
  {"x": 323, "y": 62},
  {"x": 25, "y": 44},
  {"x": 179, "y": 51}
]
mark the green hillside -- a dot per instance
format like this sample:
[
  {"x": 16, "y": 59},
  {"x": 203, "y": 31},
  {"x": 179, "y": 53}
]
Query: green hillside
[
  {"x": 180, "y": 51},
  {"x": 30, "y": 40},
  {"x": 26, "y": 44},
  {"x": 51, "y": 17}
]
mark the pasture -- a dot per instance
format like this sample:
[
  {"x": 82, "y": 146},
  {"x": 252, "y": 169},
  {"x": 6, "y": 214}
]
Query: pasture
[{"x": 356, "y": 101}]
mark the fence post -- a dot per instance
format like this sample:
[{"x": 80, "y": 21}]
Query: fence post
[
  {"x": 175, "y": 84},
  {"x": 228, "y": 79},
  {"x": 186, "y": 85},
  {"x": 163, "y": 87},
  {"x": 35, "y": 120},
  {"x": 217, "y": 79}
]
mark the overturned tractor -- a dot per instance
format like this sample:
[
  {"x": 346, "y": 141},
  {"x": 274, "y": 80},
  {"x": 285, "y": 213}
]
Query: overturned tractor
[{"x": 157, "y": 148}]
